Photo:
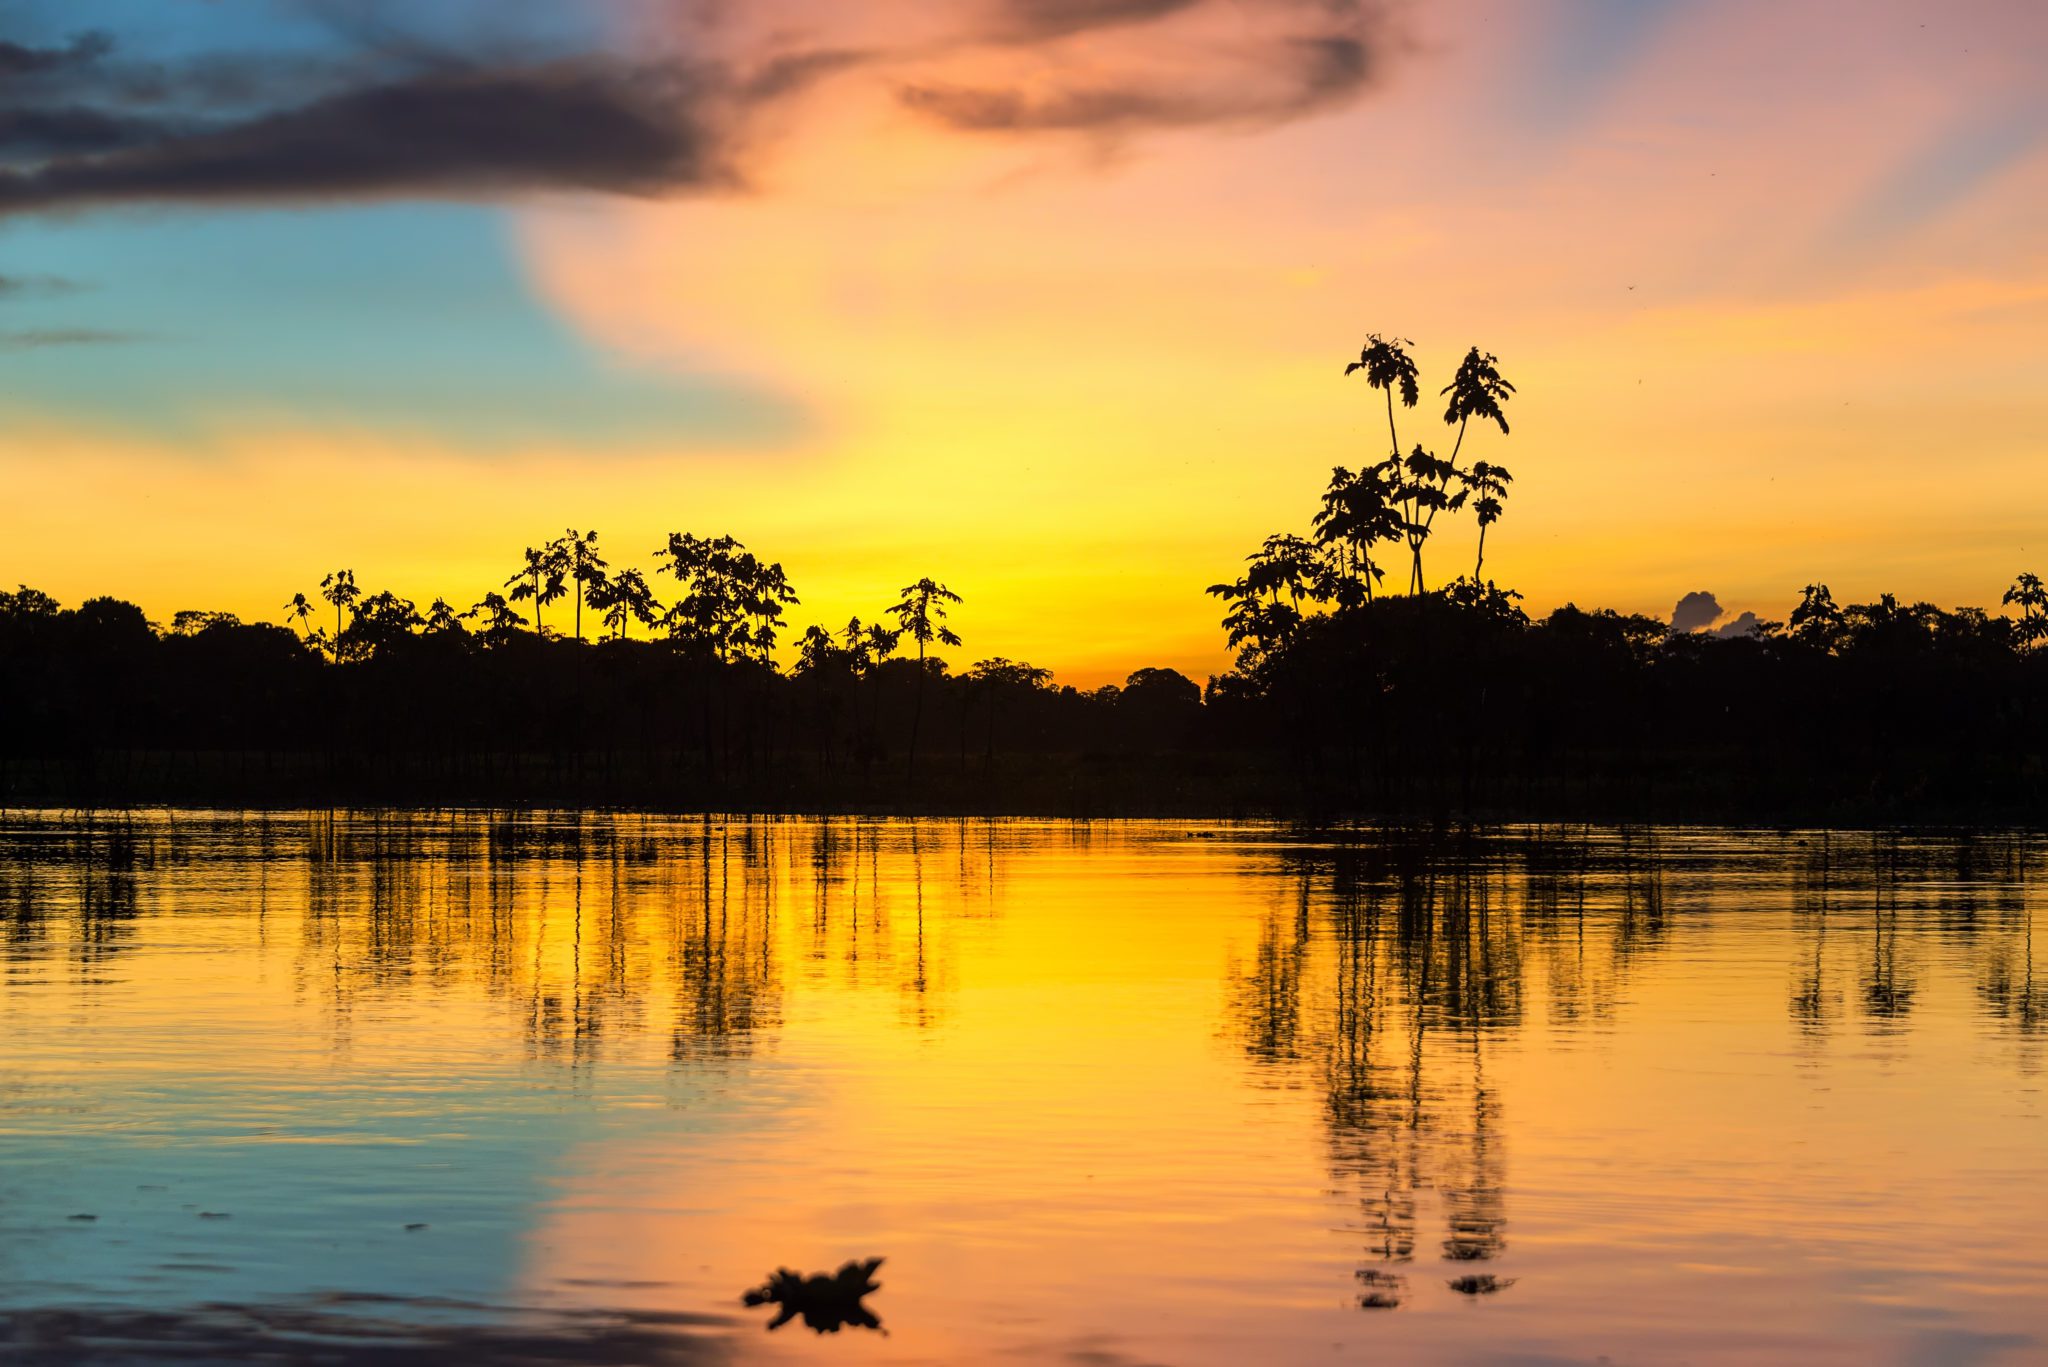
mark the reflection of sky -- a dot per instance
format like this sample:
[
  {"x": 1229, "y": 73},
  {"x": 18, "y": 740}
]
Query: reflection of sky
[
  {"x": 321, "y": 1201},
  {"x": 1109, "y": 1090}
]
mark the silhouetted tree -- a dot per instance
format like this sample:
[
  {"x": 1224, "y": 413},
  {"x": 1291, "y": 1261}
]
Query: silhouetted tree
[
  {"x": 732, "y": 602},
  {"x": 1817, "y": 622},
  {"x": 301, "y": 611},
  {"x": 577, "y": 553},
  {"x": 1358, "y": 514},
  {"x": 625, "y": 598},
  {"x": 543, "y": 578},
  {"x": 921, "y": 615},
  {"x": 339, "y": 588},
  {"x": 1490, "y": 482},
  {"x": 442, "y": 618},
  {"x": 499, "y": 619},
  {"x": 2028, "y": 595}
]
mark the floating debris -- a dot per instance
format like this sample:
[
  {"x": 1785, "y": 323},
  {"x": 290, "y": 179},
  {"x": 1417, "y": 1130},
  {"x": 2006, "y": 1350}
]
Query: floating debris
[{"x": 826, "y": 1303}]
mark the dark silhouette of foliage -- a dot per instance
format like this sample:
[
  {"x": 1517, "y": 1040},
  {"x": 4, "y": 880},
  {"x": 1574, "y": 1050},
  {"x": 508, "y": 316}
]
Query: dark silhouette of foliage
[
  {"x": 576, "y": 552},
  {"x": 543, "y": 578},
  {"x": 826, "y": 1303},
  {"x": 339, "y": 588},
  {"x": 624, "y": 598},
  {"x": 921, "y": 615},
  {"x": 2031, "y": 599},
  {"x": 1399, "y": 498}
]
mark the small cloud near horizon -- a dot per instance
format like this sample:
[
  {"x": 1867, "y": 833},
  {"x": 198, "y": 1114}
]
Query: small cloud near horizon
[{"x": 1696, "y": 610}]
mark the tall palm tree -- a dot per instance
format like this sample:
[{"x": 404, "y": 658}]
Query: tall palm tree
[
  {"x": 1477, "y": 391},
  {"x": 1388, "y": 367},
  {"x": 577, "y": 553},
  {"x": 1490, "y": 482},
  {"x": 542, "y": 578},
  {"x": 921, "y": 615},
  {"x": 625, "y": 598},
  {"x": 339, "y": 588},
  {"x": 300, "y": 610}
]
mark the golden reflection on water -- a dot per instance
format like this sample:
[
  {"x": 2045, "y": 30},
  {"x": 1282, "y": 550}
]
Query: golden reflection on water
[{"x": 1143, "y": 1092}]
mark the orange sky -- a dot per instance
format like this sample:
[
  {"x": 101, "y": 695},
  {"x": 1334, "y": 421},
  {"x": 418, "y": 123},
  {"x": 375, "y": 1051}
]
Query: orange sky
[{"x": 1773, "y": 286}]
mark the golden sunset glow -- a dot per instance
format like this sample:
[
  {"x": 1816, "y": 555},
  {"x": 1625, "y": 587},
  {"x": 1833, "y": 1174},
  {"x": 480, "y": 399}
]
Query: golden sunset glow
[{"x": 1752, "y": 301}]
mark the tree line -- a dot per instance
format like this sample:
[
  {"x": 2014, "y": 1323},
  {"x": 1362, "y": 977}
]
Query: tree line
[
  {"x": 1456, "y": 696},
  {"x": 1350, "y": 690}
]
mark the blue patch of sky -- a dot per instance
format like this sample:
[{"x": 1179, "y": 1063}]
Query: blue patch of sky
[
  {"x": 176, "y": 29},
  {"x": 389, "y": 316},
  {"x": 1580, "y": 52},
  {"x": 1947, "y": 169}
]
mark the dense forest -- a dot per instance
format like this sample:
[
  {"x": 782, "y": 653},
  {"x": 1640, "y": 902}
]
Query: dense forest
[{"x": 1344, "y": 697}]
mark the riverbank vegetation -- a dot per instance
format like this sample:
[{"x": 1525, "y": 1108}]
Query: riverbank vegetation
[{"x": 684, "y": 684}]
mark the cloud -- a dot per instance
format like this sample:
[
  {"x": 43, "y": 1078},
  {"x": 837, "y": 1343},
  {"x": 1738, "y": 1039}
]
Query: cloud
[
  {"x": 40, "y": 338},
  {"x": 588, "y": 126},
  {"x": 1275, "y": 82},
  {"x": 36, "y": 286},
  {"x": 1739, "y": 627},
  {"x": 388, "y": 116},
  {"x": 1697, "y": 609},
  {"x": 1034, "y": 20},
  {"x": 17, "y": 59}
]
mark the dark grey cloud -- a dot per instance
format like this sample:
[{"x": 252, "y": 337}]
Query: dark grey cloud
[
  {"x": 587, "y": 125},
  {"x": 17, "y": 59},
  {"x": 1032, "y": 20},
  {"x": 1738, "y": 627},
  {"x": 1697, "y": 609},
  {"x": 388, "y": 114},
  {"x": 1280, "y": 81},
  {"x": 68, "y": 130}
]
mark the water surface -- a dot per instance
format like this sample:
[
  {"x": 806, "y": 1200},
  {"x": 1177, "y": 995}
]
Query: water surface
[{"x": 419, "y": 1086}]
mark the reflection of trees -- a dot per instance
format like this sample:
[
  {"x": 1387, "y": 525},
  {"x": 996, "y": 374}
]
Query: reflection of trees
[
  {"x": 587, "y": 934},
  {"x": 1387, "y": 979}
]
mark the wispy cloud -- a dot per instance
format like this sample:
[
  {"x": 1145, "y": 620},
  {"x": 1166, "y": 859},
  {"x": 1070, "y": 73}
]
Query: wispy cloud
[
  {"x": 37, "y": 339},
  {"x": 37, "y": 286}
]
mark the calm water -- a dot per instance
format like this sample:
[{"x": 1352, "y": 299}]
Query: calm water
[{"x": 422, "y": 1087}]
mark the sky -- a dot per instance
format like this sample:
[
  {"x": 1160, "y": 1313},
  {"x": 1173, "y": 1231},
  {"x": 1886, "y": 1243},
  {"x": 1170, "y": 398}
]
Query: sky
[{"x": 1047, "y": 299}]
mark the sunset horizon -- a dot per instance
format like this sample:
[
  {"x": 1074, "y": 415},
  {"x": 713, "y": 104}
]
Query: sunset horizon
[
  {"x": 687, "y": 683},
  {"x": 1074, "y": 366}
]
